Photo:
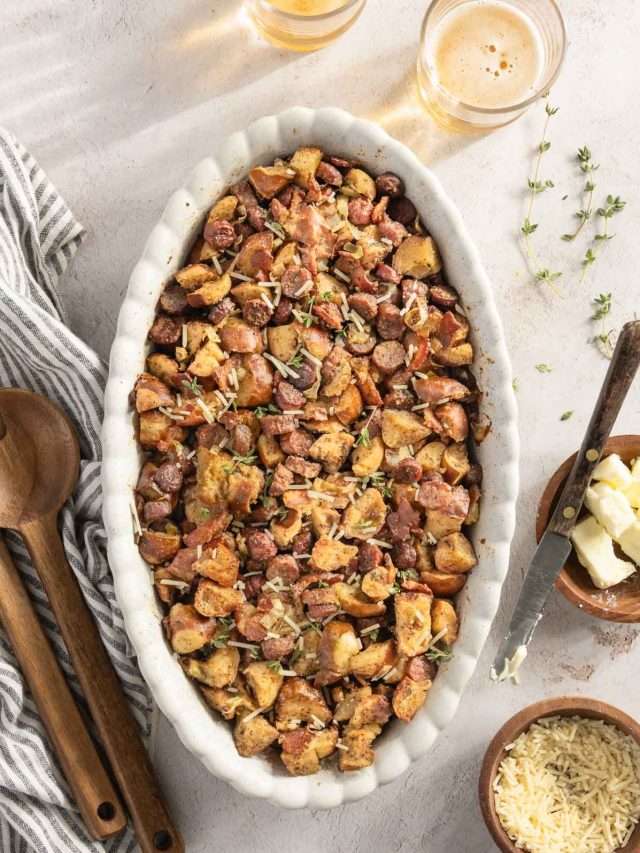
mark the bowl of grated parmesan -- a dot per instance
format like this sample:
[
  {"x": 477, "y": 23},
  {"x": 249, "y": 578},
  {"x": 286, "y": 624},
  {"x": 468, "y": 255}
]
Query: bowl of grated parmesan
[{"x": 563, "y": 776}]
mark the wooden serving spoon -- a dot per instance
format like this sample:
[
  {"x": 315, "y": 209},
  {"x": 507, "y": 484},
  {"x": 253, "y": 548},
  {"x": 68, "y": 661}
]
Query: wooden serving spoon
[
  {"x": 92, "y": 788},
  {"x": 34, "y": 484}
]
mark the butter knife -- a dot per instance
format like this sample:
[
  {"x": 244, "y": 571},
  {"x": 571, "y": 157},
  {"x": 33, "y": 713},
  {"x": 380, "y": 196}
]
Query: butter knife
[{"x": 555, "y": 545}]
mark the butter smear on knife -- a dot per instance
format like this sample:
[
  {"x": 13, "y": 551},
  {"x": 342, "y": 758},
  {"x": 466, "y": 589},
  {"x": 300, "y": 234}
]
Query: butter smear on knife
[{"x": 511, "y": 666}]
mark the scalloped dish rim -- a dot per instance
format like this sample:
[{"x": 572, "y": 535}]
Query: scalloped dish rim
[{"x": 200, "y": 731}]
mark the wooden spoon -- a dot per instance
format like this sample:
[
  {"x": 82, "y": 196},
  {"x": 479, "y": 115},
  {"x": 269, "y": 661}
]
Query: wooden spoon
[
  {"x": 33, "y": 488},
  {"x": 93, "y": 791}
]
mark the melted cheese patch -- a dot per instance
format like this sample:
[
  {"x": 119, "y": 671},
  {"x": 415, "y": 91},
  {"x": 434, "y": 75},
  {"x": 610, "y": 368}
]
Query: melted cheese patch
[{"x": 569, "y": 785}]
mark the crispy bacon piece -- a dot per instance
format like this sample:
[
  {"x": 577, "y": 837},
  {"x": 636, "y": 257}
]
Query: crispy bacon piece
[{"x": 452, "y": 500}]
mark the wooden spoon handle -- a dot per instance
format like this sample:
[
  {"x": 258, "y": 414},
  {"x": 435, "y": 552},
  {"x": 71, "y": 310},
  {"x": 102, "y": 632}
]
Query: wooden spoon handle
[
  {"x": 109, "y": 708},
  {"x": 93, "y": 791}
]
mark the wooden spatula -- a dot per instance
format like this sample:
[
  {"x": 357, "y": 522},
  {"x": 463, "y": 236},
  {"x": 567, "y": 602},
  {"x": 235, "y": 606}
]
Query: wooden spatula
[{"x": 48, "y": 476}]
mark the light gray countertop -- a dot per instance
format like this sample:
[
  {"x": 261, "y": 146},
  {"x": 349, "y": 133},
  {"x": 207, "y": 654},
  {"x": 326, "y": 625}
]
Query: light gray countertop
[{"x": 119, "y": 99}]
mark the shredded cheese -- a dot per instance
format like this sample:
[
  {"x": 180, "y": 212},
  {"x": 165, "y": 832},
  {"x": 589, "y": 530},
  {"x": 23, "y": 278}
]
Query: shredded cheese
[
  {"x": 177, "y": 584},
  {"x": 136, "y": 518},
  {"x": 320, "y": 496},
  {"x": 380, "y": 543},
  {"x": 253, "y": 714},
  {"x": 569, "y": 785},
  {"x": 311, "y": 358}
]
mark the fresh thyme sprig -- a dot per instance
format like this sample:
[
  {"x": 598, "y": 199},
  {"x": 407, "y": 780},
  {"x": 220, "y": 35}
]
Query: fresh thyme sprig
[
  {"x": 306, "y": 317},
  {"x": 193, "y": 386},
  {"x": 439, "y": 655},
  {"x": 535, "y": 186},
  {"x": 270, "y": 409},
  {"x": 363, "y": 439},
  {"x": 603, "y": 339},
  {"x": 614, "y": 204},
  {"x": 587, "y": 166}
]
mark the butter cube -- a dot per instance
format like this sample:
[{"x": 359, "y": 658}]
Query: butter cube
[
  {"x": 630, "y": 542},
  {"x": 594, "y": 548},
  {"x": 611, "y": 508},
  {"x": 632, "y": 492},
  {"x": 613, "y": 471}
]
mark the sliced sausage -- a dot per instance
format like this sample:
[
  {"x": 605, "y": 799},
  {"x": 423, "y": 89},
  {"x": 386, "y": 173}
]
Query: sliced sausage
[
  {"x": 283, "y": 312},
  {"x": 404, "y": 555},
  {"x": 169, "y": 477},
  {"x": 221, "y": 310},
  {"x": 257, "y": 312},
  {"x": 407, "y": 471},
  {"x": 389, "y": 322},
  {"x": 166, "y": 331},
  {"x": 390, "y": 184},
  {"x": 173, "y": 300},
  {"x": 220, "y": 234},
  {"x": 388, "y": 356},
  {"x": 287, "y": 397},
  {"x": 402, "y": 210},
  {"x": 305, "y": 376},
  {"x": 443, "y": 296},
  {"x": 329, "y": 174},
  {"x": 260, "y": 545}
]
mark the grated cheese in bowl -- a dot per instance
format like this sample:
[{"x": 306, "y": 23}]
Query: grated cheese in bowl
[{"x": 569, "y": 785}]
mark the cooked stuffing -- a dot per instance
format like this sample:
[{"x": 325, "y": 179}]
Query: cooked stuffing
[{"x": 307, "y": 415}]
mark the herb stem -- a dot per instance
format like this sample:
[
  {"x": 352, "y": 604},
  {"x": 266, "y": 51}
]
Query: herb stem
[
  {"x": 587, "y": 166},
  {"x": 536, "y": 175},
  {"x": 537, "y": 186},
  {"x": 614, "y": 204}
]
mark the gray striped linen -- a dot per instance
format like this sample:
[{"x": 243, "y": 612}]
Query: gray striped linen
[{"x": 38, "y": 238}]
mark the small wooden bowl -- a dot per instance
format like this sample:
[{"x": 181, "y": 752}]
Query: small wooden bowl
[
  {"x": 620, "y": 603},
  {"x": 562, "y": 707}
]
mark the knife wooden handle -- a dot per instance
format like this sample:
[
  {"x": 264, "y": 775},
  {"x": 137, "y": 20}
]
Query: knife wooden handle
[
  {"x": 109, "y": 708},
  {"x": 92, "y": 789},
  {"x": 623, "y": 368}
]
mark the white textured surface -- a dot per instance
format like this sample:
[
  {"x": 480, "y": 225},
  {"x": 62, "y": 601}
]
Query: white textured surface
[
  {"x": 206, "y": 735},
  {"x": 119, "y": 98}
]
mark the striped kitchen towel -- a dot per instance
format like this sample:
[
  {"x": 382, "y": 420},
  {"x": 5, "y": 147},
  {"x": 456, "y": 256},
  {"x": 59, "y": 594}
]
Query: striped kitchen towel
[{"x": 38, "y": 238}]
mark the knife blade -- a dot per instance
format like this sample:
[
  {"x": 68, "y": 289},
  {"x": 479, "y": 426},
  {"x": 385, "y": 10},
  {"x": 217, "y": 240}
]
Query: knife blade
[
  {"x": 555, "y": 545},
  {"x": 548, "y": 560}
]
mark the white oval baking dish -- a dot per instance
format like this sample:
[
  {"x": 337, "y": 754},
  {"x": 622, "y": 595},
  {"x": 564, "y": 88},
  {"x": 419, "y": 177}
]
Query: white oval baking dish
[{"x": 205, "y": 735}]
